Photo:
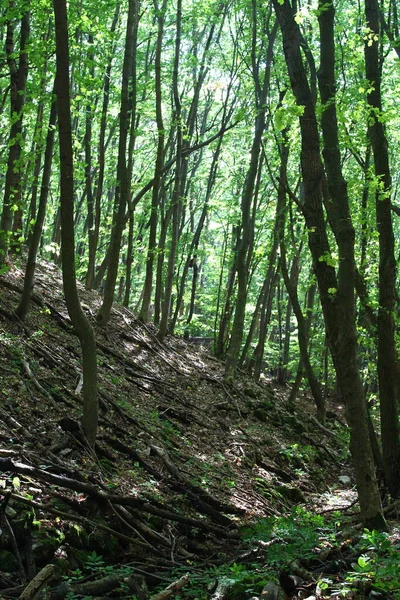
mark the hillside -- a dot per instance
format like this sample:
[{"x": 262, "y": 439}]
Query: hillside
[{"x": 183, "y": 460}]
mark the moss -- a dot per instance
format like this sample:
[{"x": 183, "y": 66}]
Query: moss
[
  {"x": 251, "y": 392},
  {"x": 8, "y": 561},
  {"x": 261, "y": 414},
  {"x": 76, "y": 536},
  {"x": 104, "y": 543},
  {"x": 291, "y": 493}
]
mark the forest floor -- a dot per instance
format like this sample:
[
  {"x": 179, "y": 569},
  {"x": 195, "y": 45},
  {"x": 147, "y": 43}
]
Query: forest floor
[{"x": 216, "y": 490}]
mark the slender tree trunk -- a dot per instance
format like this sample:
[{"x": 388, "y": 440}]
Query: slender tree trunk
[
  {"x": 129, "y": 260},
  {"x": 93, "y": 235},
  {"x": 223, "y": 329},
  {"x": 87, "y": 142},
  {"x": 300, "y": 371},
  {"x": 159, "y": 291},
  {"x": 23, "y": 307},
  {"x": 192, "y": 253},
  {"x": 18, "y": 77},
  {"x": 148, "y": 283},
  {"x": 246, "y": 203},
  {"x": 264, "y": 294},
  {"x": 176, "y": 195},
  {"x": 266, "y": 310},
  {"x": 123, "y": 184},
  {"x": 387, "y": 368},
  {"x": 291, "y": 287},
  {"x": 76, "y": 314},
  {"x": 37, "y": 143}
]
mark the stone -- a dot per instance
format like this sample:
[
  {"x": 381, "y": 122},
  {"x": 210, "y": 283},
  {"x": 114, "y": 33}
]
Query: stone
[{"x": 345, "y": 480}]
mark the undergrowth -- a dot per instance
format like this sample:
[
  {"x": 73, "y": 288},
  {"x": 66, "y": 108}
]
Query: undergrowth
[{"x": 270, "y": 545}]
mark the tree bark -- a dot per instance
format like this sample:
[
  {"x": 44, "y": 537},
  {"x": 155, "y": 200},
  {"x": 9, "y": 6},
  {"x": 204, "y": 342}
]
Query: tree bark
[
  {"x": 23, "y": 306},
  {"x": 337, "y": 296},
  {"x": 387, "y": 371},
  {"x": 151, "y": 252},
  {"x": 18, "y": 78},
  {"x": 123, "y": 183},
  {"x": 76, "y": 314}
]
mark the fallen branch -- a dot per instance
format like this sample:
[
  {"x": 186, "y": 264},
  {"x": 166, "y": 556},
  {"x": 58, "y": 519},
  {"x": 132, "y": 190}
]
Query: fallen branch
[
  {"x": 7, "y": 464},
  {"x": 37, "y": 584},
  {"x": 205, "y": 501},
  {"x": 173, "y": 587},
  {"x": 36, "y": 383},
  {"x": 77, "y": 518},
  {"x": 8, "y": 529}
]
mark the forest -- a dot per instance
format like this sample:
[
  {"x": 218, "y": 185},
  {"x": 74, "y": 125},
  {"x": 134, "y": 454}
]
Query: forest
[{"x": 206, "y": 180}]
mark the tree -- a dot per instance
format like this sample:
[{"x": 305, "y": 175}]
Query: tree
[
  {"x": 23, "y": 306},
  {"x": 79, "y": 321},
  {"x": 148, "y": 283},
  {"x": 336, "y": 293},
  {"x": 389, "y": 384},
  {"x": 261, "y": 91},
  {"x": 177, "y": 190},
  {"x": 18, "y": 76},
  {"x": 123, "y": 185}
]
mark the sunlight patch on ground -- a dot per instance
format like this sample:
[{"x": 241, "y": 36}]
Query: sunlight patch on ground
[{"x": 338, "y": 499}]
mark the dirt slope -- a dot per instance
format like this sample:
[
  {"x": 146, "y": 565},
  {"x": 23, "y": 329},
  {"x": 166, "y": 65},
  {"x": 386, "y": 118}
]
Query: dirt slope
[{"x": 182, "y": 460}]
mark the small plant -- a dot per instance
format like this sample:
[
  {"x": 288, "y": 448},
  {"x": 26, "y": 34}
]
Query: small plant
[
  {"x": 94, "y": 562},
  {"x": 378, "y": 566},
  {"x": 299, "y": 534}
]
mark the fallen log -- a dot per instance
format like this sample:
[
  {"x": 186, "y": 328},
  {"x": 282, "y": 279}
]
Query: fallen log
[{"x": 41, "y": 580}]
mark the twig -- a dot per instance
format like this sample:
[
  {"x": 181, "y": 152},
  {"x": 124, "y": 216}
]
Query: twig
[
  {"x": 234, "y": 400},
  {"x": 77, "y": 518},
  {"x": 35, "y": 382},
  {"x": 6, "y": 524}
]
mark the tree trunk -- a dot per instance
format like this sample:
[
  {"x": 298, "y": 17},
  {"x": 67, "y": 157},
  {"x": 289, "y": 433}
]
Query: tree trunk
[
  {"x": 246, "y": 202},
  {"x": 176, "y": 195},
  {"x": 23, "y": 307},
  {"x": 18, "y": 77},
  {"x": 77, "y": 316},
  {"x": 337, "y": 296},
  {"x": 387, "y": 371},
  {"x": 151, "y": 252},
  {"x": 123, "y": 183},
  {"x": 93, "y": 236},
  {"x": 291, "y": 287},
  {"x": 223, "y": 329}
]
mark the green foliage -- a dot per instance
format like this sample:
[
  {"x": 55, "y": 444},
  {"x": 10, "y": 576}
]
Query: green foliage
[
  {"x": 298, "y": 534},
  {"x": 378, "y": 565},
  {"x": 94, "y": 562},
  {"x": 243, "y": 580}
]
